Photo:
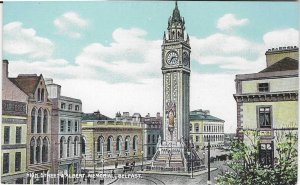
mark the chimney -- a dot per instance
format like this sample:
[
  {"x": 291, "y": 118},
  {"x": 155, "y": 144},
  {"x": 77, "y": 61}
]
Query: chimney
[
  {"x": 5, "y": 68},
  {"x": 276, "y": 54}
]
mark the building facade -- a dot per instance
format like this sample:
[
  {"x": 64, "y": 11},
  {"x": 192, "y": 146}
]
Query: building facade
[
  {"x": 14, "y": 131},
  {"x": 66, "y": 116},
  {"x": 39, "y": 136},
  {"x": 267, "y": 101},
  {"x": 152, "y": 130},
  {"x": 205, "y": 126},
  {"x": 107, "y": 141}
]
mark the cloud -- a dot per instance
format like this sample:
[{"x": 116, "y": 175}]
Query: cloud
[
  {"x": 18, "y": 40},
  {"x": 130, "y": 55},
  {"x": 229, "y": 21},
  {"x": 70, "y": 24},
  {"x": 283, "y": 37},
  {"x": 229, "y": 52}
]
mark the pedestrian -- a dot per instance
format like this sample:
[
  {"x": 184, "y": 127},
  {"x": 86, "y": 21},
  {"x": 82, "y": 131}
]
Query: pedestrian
[
  {"x": 116, "y": 164},
  {"x": 113, "y": 173}
]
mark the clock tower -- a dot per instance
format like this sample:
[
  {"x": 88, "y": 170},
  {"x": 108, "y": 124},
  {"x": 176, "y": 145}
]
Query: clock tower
[{"x": 174, "y": 145}]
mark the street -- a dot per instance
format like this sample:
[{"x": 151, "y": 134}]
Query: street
[{"x": 158, "y": 179}]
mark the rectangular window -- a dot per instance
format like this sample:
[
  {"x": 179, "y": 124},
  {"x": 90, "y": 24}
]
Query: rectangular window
[
  {"x": 263, "y": 87},
  {"x": 18, "y": 161},
  {"x": 70, "y": 106},
  {"x": 63, "y": 106},
  {"x": 264, "y": 117},
  {"x": 197, "y": 138},
  {"x": 77, "y": 107},
  {"x": 197, "y": 128},
  {"x": 69, "y": 126},
  {"x": 5, "y": 163},
  {"x": 18, "y": 134},
  {"x": 148, "y": 139},
  {"x": 266, "y": 156},
  {"x": 6, "y": 134},
  {"x": 149, "y": 150},
  {"x": 62, "y": 125},
  {"x": 76, "y": 126}
]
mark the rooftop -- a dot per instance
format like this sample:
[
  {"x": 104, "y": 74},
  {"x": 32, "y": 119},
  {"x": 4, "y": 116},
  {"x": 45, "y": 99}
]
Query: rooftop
[
  {"x": 203, "y": 115},
  {"x": 27, "y": 82},
  {"x": 285, "y": 64},
  {"x": 95, "y": 116}
]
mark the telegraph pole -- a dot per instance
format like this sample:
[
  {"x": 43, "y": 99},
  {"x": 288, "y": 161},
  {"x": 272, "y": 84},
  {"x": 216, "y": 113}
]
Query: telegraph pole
[{"x": 208, "y": 161}]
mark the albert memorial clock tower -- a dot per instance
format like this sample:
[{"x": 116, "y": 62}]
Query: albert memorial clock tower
[{"x": 174, "y": 144}]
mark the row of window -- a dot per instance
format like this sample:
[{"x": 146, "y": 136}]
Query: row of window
[
  {"x": 154, "y": 139},
  {"x": 68, "y": 126},
  {"x": 70, "y": 106},
  {"x": 6, "y": 161},
  {"x": 65, "y": 147},
  {"x": 208, "y": 128},
  {"x": 212, "y": 138},
  {"x": 109, "y": 144},
  {"x": 39, "y": 150},
  {"x": 7, "y": 135},
  {"x": 39, "y": 120}
]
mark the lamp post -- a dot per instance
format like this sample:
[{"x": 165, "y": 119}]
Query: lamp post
[
  {"x": 208, "y": 161},
  {"x": 142, "y": 152}
]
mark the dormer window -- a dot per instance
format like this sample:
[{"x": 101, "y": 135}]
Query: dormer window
[{"x": 263, "y": 87}]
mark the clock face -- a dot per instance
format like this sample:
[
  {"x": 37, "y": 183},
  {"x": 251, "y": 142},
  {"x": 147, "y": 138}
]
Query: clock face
[
  {"x": 186, "y": 59},
  {"x": 172, "y": 58}
]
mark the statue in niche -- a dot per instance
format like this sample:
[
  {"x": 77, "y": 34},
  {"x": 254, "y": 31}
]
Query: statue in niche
[{"x": 171, "y": 115}]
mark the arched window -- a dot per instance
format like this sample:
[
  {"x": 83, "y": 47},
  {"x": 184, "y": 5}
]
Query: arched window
[
  {"x": 109, "y": 144},
  {"x": 68, "y": 147},
  {"x": 38, "y": 150},
  {"x": 39, "y": 94},
  {"x": 100, "y": 145},
  {"x": 42, "y": 95},
  {"x": 83, "y": 145},
  {"x": 39, "y": 120},
  {"x": 45, "y": 150},
  {"x": 127, "y": 143},
  {"x": 135, "y": 143},
  {"x": 32, "y": 147},
  {"x": 119, "y": 143},
  {"x": 45, "y": 121},
  {"x": 61, "y": 146},
  {"x": 75, "y": 145},
  {"x": 33, "y": 112}
]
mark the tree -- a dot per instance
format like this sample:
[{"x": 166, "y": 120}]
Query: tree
[{"x": 247, "y": 169}]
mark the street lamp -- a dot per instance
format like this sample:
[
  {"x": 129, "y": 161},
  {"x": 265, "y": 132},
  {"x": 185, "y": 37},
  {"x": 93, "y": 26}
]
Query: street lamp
[
  {"x": 208, "y": 161},
  {"x": 142, "y": 152}
]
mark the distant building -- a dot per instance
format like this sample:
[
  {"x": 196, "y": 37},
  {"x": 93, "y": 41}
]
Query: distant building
[
  {"x": 39, "y": 137},
  {"x": 107, "y": 141},
  {"x": 267, "y": 101},
  {"x": 205, "y": 126},
  {"x": 228, "y": 139},
  {"x": 14, "y": 131},
  {"x": 152, "y": 131},
  {"x": 66, "y": 115}
]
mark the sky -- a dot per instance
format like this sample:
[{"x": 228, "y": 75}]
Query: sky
[{"x": 108, "y": 53}]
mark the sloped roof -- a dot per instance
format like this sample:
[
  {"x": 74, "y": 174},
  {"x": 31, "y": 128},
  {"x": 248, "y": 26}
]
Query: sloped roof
[
  {"x": 94, "y": 116},
  {"x": 201, "y": 115},
  {"x": 27, "y": 83},
  {"x": 282, "y": 65}
]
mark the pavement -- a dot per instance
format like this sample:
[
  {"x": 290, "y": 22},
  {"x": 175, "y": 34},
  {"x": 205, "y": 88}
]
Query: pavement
[{"x": 197, "y": 173}]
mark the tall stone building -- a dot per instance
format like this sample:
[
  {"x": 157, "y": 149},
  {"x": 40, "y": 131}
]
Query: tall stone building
[
  {"x": 152, "y": 130},
  {"x": 175, "y": 144},
  {"x": 39, "y": 136},
  {"x": 14, "y": 131},
  {"x": 267, "y": 101},
  {"x": 66, "y": 131}
]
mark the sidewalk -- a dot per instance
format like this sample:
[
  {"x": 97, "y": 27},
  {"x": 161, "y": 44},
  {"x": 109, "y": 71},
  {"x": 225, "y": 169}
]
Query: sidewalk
[
  {"x": 112, "y": 167},
  {"x": 177, "y": 173}
]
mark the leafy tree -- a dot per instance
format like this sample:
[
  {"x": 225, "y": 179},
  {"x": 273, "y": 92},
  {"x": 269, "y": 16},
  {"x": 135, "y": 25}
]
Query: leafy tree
[{"x": 245, "y": 167}]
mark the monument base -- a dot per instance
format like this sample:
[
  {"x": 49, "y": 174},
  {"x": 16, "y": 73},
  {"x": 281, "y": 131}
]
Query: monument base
[{"x": 175, "y": 156}]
